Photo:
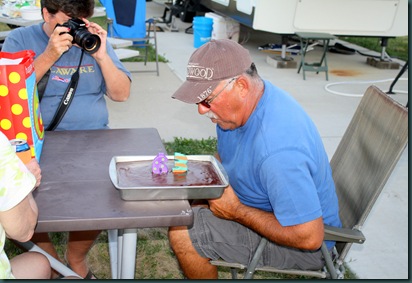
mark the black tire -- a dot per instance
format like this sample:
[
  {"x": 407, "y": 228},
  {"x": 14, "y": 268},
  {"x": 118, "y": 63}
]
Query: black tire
[
  {"x": 186, "y": 16},
  {"x": 188, "y": 10}
]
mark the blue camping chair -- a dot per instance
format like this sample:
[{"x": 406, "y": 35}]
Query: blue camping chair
[{"x": 126, "y": 19}]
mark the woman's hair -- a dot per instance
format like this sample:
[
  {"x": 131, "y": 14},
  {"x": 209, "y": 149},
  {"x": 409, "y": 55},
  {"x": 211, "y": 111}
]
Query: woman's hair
[{"x": 72, "y": 8}]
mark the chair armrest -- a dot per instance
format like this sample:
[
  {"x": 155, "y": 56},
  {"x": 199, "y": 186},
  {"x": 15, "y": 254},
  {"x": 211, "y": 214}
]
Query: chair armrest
[{"x": 343, "y": 235}]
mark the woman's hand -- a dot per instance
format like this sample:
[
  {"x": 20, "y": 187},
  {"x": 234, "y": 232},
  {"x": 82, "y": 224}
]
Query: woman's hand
[
  {"x": 34, "y": 168},
  {"x": 59, "y": 42},
  {"x": 100, "y": 32}
]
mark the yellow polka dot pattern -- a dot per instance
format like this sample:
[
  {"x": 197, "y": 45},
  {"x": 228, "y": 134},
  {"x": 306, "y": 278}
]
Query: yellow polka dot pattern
[
  {"x": 16, "y": 107},
  {"x": 14, "y": 77},
  {"x": 5, "y": 124}
]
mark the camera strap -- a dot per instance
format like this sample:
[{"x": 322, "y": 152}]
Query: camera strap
[
  {"x": 41, "y": 85},
  {"x": 67, "y": 98}
]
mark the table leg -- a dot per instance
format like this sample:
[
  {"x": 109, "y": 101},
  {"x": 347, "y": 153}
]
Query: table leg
[
  {"x": 301, "y": 55},
  {"x": 303, "y": 48},
  {"x": 325, "y": 49},
  {"x": 316, "y": 66},
  {"x": 113, "y": 252},
  {"x": 119, "y": 253},
  {"x": 128, "y": 264}
]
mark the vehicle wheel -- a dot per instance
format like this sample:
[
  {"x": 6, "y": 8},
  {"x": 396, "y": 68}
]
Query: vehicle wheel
[
  {"x": 188, "y": 11},
  {"x": 186, "y": 16}
]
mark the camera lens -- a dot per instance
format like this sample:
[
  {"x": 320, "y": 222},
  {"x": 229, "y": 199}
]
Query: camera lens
[{"x": 89, "y": 42}]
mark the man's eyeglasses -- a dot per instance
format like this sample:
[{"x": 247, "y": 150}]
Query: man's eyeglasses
[{"x": 207, "y": 103}]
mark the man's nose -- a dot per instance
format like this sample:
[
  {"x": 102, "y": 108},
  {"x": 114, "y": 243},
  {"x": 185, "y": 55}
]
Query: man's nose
[{"x": 202, "y": 109}]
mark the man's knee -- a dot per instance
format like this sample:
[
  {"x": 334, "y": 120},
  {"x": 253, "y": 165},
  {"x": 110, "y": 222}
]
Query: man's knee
[{"x": 179, "y": 238}]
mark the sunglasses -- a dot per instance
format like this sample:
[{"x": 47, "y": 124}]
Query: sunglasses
[{"x": 207, "y": 103}]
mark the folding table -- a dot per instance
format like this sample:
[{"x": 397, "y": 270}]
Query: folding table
[
  {"x": 318, "y": 66},
  {"x": 76, "y": 192}
]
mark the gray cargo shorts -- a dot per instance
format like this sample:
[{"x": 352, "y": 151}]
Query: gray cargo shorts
[{"x": 216, "y": 238}]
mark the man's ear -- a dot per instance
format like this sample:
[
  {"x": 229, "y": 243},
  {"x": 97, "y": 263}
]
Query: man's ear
[{"x": 242, "y": 85}]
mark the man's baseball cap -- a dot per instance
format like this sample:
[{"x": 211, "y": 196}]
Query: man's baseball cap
[{"x": 211, "y": 63}]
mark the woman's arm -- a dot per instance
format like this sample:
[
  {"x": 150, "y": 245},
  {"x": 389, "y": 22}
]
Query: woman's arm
[
  {"x": 117, "y": 82},
  {"x": 20, "y": 221}
]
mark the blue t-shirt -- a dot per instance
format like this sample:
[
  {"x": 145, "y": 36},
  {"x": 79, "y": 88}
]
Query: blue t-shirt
[
  {"x": 277, "y": 162},
  {"x": 88, "y": 109}
]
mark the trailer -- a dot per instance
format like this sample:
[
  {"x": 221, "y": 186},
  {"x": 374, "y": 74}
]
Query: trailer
[
  {"x": 367, "y": 18},
  {"x": 376, "y": 18}
]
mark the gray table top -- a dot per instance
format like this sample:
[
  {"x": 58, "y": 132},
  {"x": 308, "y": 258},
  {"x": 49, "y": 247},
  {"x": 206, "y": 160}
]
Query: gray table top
[{"x": 76, "y": 192}]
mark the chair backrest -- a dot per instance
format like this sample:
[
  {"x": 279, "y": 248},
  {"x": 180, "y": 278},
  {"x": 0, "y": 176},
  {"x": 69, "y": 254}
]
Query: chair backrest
[
  {"x": 128, "y": 18},
  {"x": 367, "y": 155}
]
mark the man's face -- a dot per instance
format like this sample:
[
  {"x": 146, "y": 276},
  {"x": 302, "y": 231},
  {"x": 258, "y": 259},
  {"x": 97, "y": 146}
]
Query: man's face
[{"x": 225, "y": 108}]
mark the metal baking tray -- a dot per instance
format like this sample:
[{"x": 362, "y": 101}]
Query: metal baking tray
[{"x": 175, "y": 187}]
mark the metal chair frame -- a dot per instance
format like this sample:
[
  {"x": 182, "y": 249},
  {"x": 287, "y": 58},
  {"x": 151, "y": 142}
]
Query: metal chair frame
[{"x": 149, "y": 40}]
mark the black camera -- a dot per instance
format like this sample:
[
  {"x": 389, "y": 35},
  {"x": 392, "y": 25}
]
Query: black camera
[{"x": 81, "y": 36}]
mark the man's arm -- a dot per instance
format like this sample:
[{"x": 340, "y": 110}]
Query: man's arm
[{"x": 308, "y": 236}]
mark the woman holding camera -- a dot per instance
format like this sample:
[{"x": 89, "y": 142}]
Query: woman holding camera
[{"x": 64, "y": 43}]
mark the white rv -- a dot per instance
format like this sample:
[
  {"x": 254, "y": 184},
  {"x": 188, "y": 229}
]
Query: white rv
[{"x": 376, "y": 18}]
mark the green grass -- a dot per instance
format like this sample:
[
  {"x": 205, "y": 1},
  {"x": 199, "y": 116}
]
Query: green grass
[
  {"x": 397, "y": 47},
  {"x": 191, "y": 146}
]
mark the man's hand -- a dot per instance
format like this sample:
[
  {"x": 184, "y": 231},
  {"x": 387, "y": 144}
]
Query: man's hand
[
  {"x": 34, "y": 168},
  {"x": 308, "y": 236},
  {"x": 226, "y": 206}
]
